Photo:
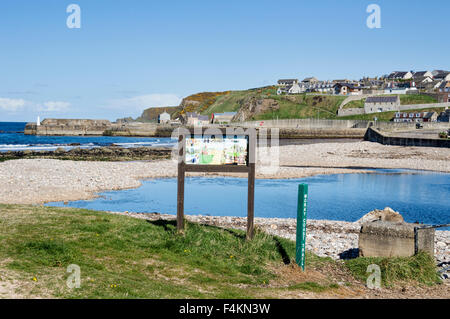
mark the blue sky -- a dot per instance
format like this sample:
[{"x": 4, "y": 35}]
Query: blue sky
[{"x": 129, "y": 55}]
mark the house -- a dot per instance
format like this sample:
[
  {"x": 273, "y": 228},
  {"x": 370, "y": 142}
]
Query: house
[
  {"x": 400, "y": 75},
  {"x": 287, "y": 82},
  {"x": 444, "y": 116},
  {"x": 430, "y": 117},
  {"x": 399, "y": 87},
  {"x": 347, "y": 89},
  {"x": 222, "y": 118},
  {"x": 444, "y": 87},
  {"x": 375, "y": 104},
  {"x": 428, "y": 86},
  {"x": 422, "y": 74},
  {"x": 421, "y": 81},
  {"x": 442, "y": 75},
  {"x": 404, "y": 117},
  {"x": 164, "y": 118},
  {"x": 291, "y": 89},
  {"x": 310, "y": 80},
  {"x": 194, "y": 119}
]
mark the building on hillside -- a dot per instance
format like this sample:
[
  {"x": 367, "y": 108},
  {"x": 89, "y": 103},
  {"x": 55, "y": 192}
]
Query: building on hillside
[
  {"x": 421, "y": 81},
  {"x": 444, "y": 116},
  {"x": 310, "y": 80},
  {"x": 194, "y": 119},
  {"x": 400, "y": 87},
  {"x": 444, "y": 86},
  {"x": 164, "y": 118},
  {"x": 422, "y": 74},
  {"x": 291, "y": 89},
  {"x": 222, "y": 118},
  {"x": 400, "y": 75},
  {"x": 428, "y": 86},
  {"x": 375, "y": 104},
  {"x": 286, "y": 82},
  {"x": 442, "y": 76},
  {"x": 409, "y": 117},
  {"x": 347, "y": 89}
]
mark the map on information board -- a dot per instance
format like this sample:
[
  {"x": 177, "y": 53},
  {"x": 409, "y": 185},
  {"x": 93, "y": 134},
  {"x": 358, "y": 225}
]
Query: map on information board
[{"x": 216, "y": 151}]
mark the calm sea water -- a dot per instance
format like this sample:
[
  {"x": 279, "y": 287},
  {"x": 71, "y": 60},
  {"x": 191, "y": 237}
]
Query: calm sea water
[
  {"x": 418, "y": 196},
  {"x": 13, "y": 139}
]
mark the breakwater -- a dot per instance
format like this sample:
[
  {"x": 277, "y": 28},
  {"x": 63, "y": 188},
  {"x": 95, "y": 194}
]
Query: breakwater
[{"x": 375, "y": 135}]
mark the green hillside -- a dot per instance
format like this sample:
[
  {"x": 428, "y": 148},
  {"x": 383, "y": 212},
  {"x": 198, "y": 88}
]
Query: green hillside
[{"x": 287, "y": 106}]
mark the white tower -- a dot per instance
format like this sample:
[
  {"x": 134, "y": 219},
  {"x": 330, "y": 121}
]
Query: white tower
[{"x": 38, "y": 122}]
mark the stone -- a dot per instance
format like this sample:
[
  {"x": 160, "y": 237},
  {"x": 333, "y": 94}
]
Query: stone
[{"x": 387, "y": 214}]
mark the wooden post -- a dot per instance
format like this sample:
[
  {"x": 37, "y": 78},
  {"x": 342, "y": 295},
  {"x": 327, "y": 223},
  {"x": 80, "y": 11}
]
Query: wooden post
[
  {"x": 251, "y": 201},
  {"x": 180, "y": 192}
]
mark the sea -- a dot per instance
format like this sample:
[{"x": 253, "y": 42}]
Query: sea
[{"x": 12, "y": 138}]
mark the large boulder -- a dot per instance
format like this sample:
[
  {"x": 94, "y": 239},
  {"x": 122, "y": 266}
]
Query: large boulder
[{"x": 385, "y": 215}]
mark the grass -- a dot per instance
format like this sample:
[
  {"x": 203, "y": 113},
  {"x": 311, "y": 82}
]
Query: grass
[
  {"x": 304, "y": 106},
  {"x": 420, "y": 268},
  {"x": 123, "y": 257},
  {"x": 416, "y": 99},
  {"x": 355, "y": 104}
]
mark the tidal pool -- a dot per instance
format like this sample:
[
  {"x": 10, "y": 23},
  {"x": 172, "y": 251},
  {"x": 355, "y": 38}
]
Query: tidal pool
[{"x": 417, "y": 195}]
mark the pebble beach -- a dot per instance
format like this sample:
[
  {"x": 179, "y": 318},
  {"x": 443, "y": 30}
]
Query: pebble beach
[{"x": 37, "y": 181}]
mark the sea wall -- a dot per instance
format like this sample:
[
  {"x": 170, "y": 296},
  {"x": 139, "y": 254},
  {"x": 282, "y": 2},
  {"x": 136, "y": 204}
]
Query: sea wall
[
  {"x": 68, "y": 127},
  {"x": 375, "y": 135},
  {"x": 307, "y": 124}
]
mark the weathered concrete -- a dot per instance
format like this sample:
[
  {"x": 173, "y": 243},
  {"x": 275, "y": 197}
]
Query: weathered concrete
[
  {"x": 375, "y": 135},
  {"x": 388, "y": 239},
  {"x": 68, "y": 127}
]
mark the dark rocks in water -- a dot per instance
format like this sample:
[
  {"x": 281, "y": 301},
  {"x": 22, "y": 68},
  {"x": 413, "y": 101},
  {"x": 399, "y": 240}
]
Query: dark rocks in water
[
  {"x": 74, "y": 144},
  {"x": 94, "y": 154}
]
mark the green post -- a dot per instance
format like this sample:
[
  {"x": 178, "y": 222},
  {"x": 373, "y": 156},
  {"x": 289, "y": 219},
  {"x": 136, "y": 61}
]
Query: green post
[{"x": 301, "y": 225}]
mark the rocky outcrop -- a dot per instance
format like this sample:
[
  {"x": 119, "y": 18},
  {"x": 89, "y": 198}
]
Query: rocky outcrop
[
  {"x": 386, "y": 215},
  {"x": 252, "y": 106}
]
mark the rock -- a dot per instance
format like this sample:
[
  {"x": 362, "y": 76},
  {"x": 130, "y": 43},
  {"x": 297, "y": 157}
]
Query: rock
[{"x": 386, "y": 215}]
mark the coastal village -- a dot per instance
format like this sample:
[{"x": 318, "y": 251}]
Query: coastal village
[
  {"x": 377, "y": 95},
  {"x": 397, "y": 122}
]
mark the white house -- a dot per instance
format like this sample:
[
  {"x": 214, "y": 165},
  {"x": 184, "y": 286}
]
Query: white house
[
  {"x": 291, "y": 89},
  {"x": 400, "y": 75},
  {"x": 164, "y": 118}
]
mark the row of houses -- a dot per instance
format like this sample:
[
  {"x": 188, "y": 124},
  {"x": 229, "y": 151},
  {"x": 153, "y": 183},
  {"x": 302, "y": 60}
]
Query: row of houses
[
  {"x": 398, "y": 82},
  {"x": 418, "y": 117},
  {"x": 293, "y": 86}
]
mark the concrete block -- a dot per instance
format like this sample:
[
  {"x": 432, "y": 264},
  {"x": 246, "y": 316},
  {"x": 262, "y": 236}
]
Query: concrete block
[{"x": 388, "y": 239}]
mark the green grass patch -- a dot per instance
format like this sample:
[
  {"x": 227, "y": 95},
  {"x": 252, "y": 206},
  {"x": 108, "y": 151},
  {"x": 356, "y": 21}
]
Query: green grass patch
[
  {"x": 420, "y": 268},
  {"x": 406, "y": 99},
  {"x": 122, "y": 257},
  {"x": 355, "y": 104}
]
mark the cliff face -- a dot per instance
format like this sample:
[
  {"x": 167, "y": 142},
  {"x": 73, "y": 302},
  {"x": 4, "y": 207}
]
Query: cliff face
[{"x": 253, "y": 106}]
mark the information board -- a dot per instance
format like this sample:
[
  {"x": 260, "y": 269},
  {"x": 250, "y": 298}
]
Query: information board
[{"x": 216, "y": 151}]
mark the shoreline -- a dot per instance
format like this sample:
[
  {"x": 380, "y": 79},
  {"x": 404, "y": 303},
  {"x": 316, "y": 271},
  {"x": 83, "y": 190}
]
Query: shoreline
[{"x": 38, "y": 181}]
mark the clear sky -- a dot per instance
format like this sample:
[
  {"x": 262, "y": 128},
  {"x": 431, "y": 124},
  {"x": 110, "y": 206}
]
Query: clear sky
[{"x": 129, "y": 54}]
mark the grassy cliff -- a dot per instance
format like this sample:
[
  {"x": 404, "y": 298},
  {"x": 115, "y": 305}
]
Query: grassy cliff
[{"x": 285, "y": 106}]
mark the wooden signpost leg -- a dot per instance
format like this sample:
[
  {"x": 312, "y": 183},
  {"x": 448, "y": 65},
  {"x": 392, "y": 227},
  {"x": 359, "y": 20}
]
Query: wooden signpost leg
[
  {"x": 251, "y": 201},
  {"x": 180, "y": 192},
  {"x": 180, "y": 199}
]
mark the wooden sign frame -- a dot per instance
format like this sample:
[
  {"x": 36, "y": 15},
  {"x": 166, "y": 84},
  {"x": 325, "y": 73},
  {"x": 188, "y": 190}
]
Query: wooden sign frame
[{"x": 250, "y": 169}]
